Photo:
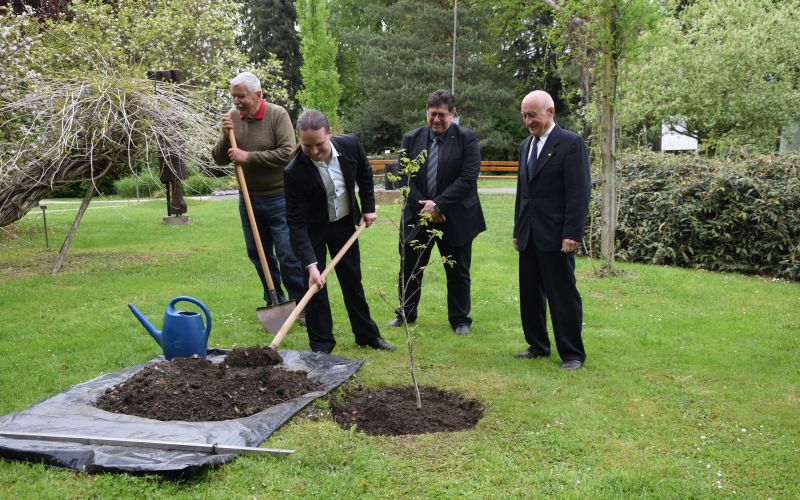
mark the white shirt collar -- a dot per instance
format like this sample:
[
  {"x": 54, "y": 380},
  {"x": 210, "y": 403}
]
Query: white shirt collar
[
  {"x": 543, "y": 137},
  {"x": 334, "y": 154}
]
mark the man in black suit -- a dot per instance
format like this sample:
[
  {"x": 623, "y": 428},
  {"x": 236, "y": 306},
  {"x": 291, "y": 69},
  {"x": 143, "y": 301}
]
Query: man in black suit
[
  {"x": 446, "y": 188},
  {"x": 553, "y": 190},
  {"x": 322, "y": 212}
]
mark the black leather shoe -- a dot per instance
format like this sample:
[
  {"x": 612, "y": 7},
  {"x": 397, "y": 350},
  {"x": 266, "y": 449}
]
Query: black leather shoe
[
  {"x": 529, "y": 355},
  {"x": 572, "y": 364},
  {"x": 323, "y": 351},
  {"x": 397, "y": 322},
  {"x": 380, "y": 344},
  {"x": 462, "y": 329}
]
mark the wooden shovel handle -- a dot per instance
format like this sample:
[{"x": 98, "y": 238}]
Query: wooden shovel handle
[
  {"x": 256, "y": 236},
  {"x": 314, "y": 288}
]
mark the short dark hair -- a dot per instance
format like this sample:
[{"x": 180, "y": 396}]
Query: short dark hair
[
  {"x": 441, "y": 97},
  {"x": 313, "y": 119}
]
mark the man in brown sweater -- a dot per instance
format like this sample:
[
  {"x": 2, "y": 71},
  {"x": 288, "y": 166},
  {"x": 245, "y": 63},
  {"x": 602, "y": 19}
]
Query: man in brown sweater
[{"x": 265, "y": 139}]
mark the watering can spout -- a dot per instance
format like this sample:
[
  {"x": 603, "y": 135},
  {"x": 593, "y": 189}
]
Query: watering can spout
[{"x": 146, "y": 324}]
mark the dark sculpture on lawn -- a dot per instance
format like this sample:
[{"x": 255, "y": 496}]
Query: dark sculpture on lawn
[{"x": 172, "y": 168}]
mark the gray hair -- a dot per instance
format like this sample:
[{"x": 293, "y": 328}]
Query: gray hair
[
  {"x": 313, "y": 119},
  {"x": 247, "y": 79}
]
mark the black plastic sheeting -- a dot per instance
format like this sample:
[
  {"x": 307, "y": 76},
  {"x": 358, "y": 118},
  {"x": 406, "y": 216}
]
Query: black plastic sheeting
[{"x": 71, "y": 413}]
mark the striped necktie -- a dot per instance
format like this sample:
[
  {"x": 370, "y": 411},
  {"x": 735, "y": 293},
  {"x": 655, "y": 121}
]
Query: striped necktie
[{"x": 433, "y": 166}]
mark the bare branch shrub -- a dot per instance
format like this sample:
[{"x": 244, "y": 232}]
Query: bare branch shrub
[{"x": 67, "y": 130}]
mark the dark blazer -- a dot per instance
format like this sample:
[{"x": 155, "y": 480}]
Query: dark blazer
[
  {"x": 553, "y": 204},
  {"x": 457, "y": 176},
  {"x": 307, "y": 202}
]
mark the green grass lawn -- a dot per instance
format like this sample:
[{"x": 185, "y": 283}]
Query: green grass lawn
[{"x": 691, "y": 386}]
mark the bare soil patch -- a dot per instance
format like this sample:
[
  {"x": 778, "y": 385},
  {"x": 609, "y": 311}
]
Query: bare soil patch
[
  {"x": 247, "y": 381},
  {"x": 252, "y": 379},
  {"x": 392, "y": 411}
]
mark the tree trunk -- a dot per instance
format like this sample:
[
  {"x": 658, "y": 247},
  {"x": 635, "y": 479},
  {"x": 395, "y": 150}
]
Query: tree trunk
[
  {"x": 608, "y": 146},
  {"x": 72, "y": 230}
]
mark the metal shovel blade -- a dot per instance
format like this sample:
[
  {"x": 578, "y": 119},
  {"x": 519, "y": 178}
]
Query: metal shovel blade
[{"x": 273, "y": 317}]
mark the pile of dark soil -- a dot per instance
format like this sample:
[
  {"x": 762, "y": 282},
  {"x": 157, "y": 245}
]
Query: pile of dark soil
[
  {"x": 197, "y": 390},
  {"x": 392, "y": 411},
  {"x": 253, "y": 356}
]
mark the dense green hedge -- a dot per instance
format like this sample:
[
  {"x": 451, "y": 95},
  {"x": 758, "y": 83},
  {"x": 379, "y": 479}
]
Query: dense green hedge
[
  {"x": 148, "y": 185},
  {"x": 727, "y": 214},
  {"x": 151, "y": 186}
]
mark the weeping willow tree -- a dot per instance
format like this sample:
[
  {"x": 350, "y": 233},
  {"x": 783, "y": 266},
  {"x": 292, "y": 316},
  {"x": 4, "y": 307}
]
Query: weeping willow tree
[{"x": 70, "y": 130}]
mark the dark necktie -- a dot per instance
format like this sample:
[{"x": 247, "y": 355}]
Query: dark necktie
[
  {"x": 433, "y": 165},
  {"x": 532, "y": 158}
]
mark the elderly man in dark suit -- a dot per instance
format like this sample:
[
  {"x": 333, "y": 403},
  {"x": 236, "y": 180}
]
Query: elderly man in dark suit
[
  {"x": 322, "y": 212},
  {"x": 446, "y": 188},
  {"x": 553, "y": 190}
]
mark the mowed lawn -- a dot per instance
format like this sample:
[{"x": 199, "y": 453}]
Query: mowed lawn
[{"x": 691, "y": 387}]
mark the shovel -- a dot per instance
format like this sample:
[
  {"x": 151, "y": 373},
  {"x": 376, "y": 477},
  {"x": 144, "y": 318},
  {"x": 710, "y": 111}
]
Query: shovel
[
  {"x": 275, "y": 315},
  {"x": 314, "y": 288}
]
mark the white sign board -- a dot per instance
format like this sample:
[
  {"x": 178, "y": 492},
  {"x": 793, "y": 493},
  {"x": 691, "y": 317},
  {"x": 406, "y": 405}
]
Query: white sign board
[{"x": 674, "y": 140}]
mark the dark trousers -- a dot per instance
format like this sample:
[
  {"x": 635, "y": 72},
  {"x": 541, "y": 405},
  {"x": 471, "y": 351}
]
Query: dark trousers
[
  {"x": 270, "y": 215},
  {"x": 319, "y": 322},
  {"x": 548, "y": 278},
  {"x": 458, "y": 280}
]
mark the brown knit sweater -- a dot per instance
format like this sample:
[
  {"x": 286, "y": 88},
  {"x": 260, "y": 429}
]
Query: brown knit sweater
[{"x": 268, "y": 141}]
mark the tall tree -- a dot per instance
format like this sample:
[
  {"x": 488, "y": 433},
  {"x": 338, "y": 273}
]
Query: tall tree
[
  {"x": 598, "y": 34},
  {"x": 527, "y": 49},
  {"x": 134, "y": 36},
  {"x": 268, "y": 27},
  {"x": 403, "y": 50},
  {"x": 321, "y": 88},
  {"x": 729, "y": 70}
]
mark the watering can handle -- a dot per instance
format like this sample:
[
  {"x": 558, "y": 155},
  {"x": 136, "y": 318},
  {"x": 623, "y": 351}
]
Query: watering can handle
[{"x": 198, "y": 304}]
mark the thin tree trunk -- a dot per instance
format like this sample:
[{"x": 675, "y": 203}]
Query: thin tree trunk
[
  {"x": 72, "y": 230},
  {"x": 607, "y": 150}
]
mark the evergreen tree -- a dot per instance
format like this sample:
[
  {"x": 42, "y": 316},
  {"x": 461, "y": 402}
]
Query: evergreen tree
[
  {"x": 269, "y": 28},
  {"x": 321, "y": 88},
  {"x": 403, "y": 51}
]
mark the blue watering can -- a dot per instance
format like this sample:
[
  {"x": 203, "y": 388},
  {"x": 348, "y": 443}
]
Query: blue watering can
[{"x": 183, "y": 334}]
